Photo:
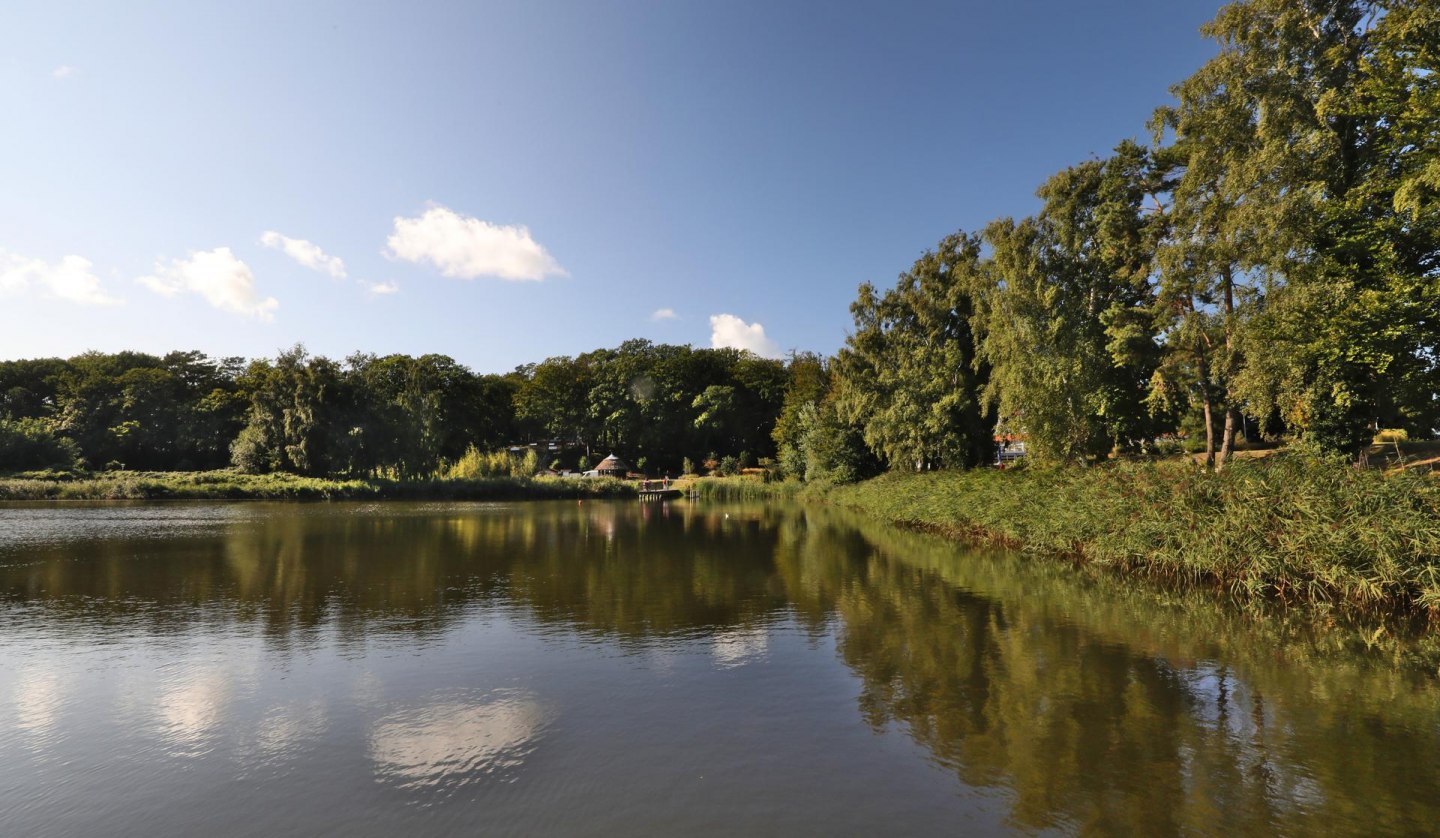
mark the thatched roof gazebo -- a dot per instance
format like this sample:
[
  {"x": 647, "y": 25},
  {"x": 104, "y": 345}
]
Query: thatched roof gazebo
[{"x": 612, "y": 466}]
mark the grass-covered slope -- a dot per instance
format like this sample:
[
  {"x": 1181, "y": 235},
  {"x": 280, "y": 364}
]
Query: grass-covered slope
[{"x": 1289, "y": 527}]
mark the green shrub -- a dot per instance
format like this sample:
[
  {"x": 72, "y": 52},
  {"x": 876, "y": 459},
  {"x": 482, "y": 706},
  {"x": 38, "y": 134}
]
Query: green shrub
[
  {"x": 249, "y": 452},
  {"x": 475, "y": 464}
]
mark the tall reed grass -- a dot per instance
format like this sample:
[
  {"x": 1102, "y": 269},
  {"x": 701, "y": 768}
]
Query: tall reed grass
[
  {"x": 1288, "y": 527},
  {"x": 744, "y": 488}
]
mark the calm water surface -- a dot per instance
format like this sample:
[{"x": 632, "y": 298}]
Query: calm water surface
[{"x": 618, "y": 668}]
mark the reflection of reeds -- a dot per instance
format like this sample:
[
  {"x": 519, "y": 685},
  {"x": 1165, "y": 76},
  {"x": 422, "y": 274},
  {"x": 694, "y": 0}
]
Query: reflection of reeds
[
  {"x": 1268, "y": 640},
  {"x": 1288, "y": 528},
  {"x": 1109, "y": 708}
]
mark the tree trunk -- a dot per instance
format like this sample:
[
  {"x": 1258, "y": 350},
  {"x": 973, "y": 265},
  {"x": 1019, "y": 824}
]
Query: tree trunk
[
  {"x": 1207, "y": 402},
  {"x": 1227, "y": 441},
  {"x": 1209, "y": 431},
  {"x": 1227, "y": 445}
]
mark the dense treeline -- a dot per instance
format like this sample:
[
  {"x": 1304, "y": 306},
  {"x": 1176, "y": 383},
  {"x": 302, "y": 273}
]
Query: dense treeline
[
  {"x": 176, "y": 412},
  {"x": 1272, "y": 261},
  {"x": 396, "y": 415}
]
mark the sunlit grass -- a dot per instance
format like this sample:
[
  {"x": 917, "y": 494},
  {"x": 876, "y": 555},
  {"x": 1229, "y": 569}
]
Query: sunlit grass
[{"x": 1288, "y": 527}]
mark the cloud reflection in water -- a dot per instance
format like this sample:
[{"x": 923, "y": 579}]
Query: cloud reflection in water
[
  {"x": 444, "y": 747},
  {"x": 37, "y": 704},
  {"x": 739, "y": 646},
  {"x": 190, "y": 713}
]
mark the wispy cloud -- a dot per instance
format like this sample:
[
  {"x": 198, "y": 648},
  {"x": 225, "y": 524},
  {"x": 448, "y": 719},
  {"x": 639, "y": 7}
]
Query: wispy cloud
[
  {"x": 381, "y": 288},
  {"x": 71, "y": 279},
  {"x": 65, "y": 71},
  {"x": 727, "y": 330},
  {"x": 466, "y": 248},
  {"x": 664, "y": 314},
  {"x": 305, "y": 252},
  {"x": 222, "y": 280}
]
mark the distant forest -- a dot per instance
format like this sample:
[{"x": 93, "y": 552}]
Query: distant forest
[
  {"x": 1269, "y": 261},
  {"x": 396, "y": 415}
]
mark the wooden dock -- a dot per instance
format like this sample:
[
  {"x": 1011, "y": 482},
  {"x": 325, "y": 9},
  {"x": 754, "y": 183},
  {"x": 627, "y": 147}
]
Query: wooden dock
[{"x": 651, "y": 490}]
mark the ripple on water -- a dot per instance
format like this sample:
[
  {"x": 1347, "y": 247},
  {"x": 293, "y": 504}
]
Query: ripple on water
[
  {"x": 27, "y": 526},
  {"x": 441, "y": 749}
]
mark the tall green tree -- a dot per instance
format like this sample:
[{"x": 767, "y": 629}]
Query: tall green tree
[
  {"x": 807, "y": 384},
  {"x": 1062, "y": 311},
  {"x": 554, "y": 399},
  {"x": 1316, "y": 129},
  {"x": 909, "y": 371},
  {"x": 1204, "y": 298},
  {"x": 293, "y": 404}
]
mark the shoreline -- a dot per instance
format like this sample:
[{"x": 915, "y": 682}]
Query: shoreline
[
  {"x": 1284, "y": 530},
  {"x": 1289, "y": 530},
  {"x": 234, "y": 486}
]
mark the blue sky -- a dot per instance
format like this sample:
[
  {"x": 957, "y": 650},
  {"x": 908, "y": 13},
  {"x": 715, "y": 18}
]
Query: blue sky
[{"x": 504, "y": 182}]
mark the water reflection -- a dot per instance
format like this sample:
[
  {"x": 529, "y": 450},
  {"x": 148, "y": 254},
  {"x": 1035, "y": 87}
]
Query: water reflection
[
  {"x": 288, "y": 729},
  {"x": 737, "y": 647},
  {"x": 1104, "y": 710},
  {"x": 444, "y": 746},
  {"x": 37, "y": 703},
  {"x": 1089, "y": 707}
]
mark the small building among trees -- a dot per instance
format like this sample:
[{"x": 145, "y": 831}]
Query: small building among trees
[{"x": 612, "y": 466}]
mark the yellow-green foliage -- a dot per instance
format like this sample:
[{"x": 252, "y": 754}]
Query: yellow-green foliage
[
  {"x": 476, "y": 464},
  {"x": 747, "y": 487},
  {"x": 1290, "y": 527},
  {"x": 1392, "y": 435}
]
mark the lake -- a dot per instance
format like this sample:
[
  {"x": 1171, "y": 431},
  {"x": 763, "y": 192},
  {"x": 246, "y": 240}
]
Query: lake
[{"x": 616, "y": 668}]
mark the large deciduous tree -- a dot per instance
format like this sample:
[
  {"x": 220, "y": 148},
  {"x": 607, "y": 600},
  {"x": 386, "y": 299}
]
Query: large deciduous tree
[
  {"x": 910, "y": 378},
  {"x": 1314, "y": 134},
  {"x": 1062, "y": 311}
]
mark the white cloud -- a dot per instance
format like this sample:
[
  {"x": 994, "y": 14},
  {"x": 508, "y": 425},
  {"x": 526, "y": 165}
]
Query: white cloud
[
  {"x": 465, "y": 247},
  {"x": 224, "y": 281},
  {"x": 727, "y": 330},
  {"x": 306, "y": 253},
  {"x": 65, "y": 71},
  {"x": 70, "y": 279},
  {"x": 381, "y": 288},
  {"x": 664, "y": 314}
]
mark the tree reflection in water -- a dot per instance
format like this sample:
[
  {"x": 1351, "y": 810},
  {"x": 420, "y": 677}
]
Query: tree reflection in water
[{"x": 1097, "y": 707}]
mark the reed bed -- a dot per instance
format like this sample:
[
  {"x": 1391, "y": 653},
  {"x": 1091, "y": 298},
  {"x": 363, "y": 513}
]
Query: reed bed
[
  {"x": 1287, "y": 528},
  {"x": 743, "y": 488}
]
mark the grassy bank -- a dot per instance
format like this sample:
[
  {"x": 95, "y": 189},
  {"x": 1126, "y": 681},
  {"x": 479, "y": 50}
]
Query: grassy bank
[
  {"x": 232, "y": 485},
  {"x": 1287, "y": 528}
]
